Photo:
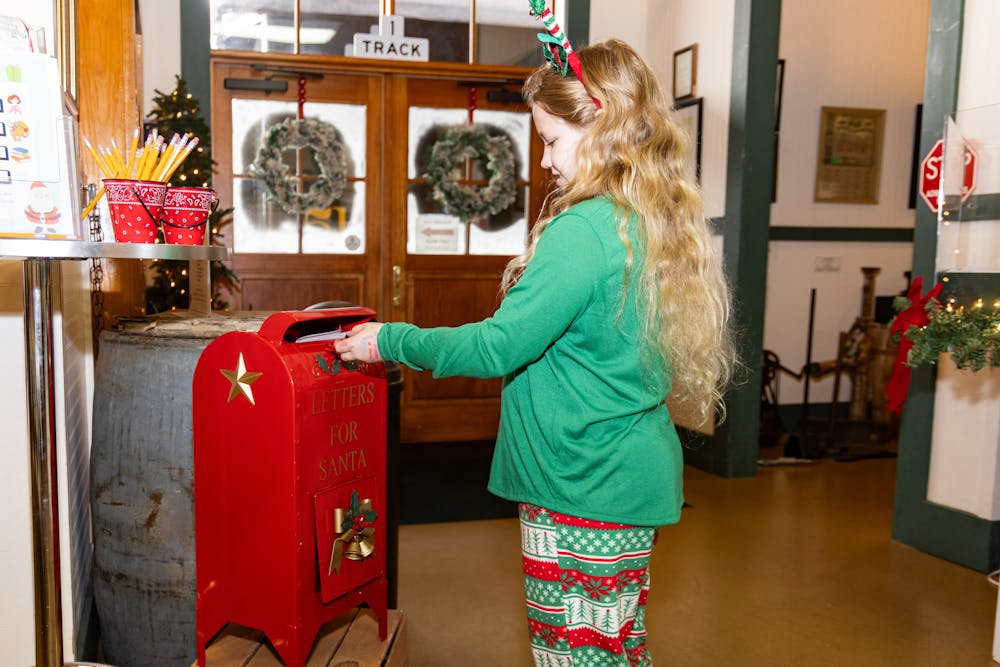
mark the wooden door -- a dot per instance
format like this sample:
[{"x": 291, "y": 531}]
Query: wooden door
[
  {"x": 290, "y": 260},
  {"x": 391, "y": 247},
  {"x": 442, "y": 271}
]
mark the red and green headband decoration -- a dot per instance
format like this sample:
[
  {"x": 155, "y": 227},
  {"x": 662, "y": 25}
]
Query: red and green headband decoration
[{"x": 555, "y": 44}]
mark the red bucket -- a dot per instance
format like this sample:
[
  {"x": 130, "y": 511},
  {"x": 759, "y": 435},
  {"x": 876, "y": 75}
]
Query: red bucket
[
  {"x": 185, "y": 214},
  {"x": 135, "y": 208}
]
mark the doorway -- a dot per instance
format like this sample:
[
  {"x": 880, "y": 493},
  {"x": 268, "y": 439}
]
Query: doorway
[{"x": 386, "y": 242}]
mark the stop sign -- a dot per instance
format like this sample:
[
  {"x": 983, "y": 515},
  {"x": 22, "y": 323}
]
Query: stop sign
[{"x": 930, "y": 174}]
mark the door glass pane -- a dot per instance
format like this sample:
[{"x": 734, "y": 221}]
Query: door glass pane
[
  {"x": 429, "y": 229},
  {"x": 516, "y": 126},
  {"x": 259, "y": 225},
  {"x": 445, "y": 23},
  {"x": 251, "y": 118},
  {"x": 266, "y": 26},
  {"x": 328, "y": 26},
  {"x": 427, "y": 124},
  {"x": 506, "y": 34},
  {"x": 350, "y": 122},
  {"x": 262, "y": 226},
  {"x": 502, "y": 234},
  {"x": 340, "y": 228}
]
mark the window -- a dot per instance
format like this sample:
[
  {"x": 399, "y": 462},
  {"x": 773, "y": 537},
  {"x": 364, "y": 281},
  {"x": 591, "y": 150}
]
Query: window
[
  {"x": 504, "y": 30},
  {"x": 259, "y": 225}
]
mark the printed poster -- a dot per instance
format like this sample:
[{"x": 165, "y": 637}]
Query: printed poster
[{"x": 35, "y": 176}]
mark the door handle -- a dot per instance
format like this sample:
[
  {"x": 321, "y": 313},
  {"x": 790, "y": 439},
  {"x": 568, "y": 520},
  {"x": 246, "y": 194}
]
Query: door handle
[{"x": 397, "y": 285}]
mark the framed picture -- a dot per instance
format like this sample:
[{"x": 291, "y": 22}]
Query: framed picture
[
  {"x": 849, "y": 159},
  {"x": 915, "y": 159},
  {"x": 685, "y": 72},
  {"x": 779, "y": 86},
  {"x": 688, "y": 115}
]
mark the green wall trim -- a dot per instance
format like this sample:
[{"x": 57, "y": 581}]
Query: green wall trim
[
  {"x": 966, "y": 287},
  {"x": 196, "y": 52},
  {"x": 980, "y": 207},
  {"x": 849, "y": 234},
  {"x": 732, "y": 450},
  {"x": 950, "y": 534}
]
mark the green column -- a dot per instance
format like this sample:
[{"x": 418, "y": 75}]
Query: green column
[
  {"x": 951, "y": 534},
  {"x": 732, "y": 451},
  {"x": 195, "y": 48},
  {"x": 578, "y": 22}
]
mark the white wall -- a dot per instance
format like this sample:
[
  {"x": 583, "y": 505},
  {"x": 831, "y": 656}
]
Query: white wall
[
  {"x": 668, "y": 27},
  {"x": 17, "y": 629},
  {"x": 619, "y": 19},
  {"x": 161, "y": 26},
  {"x": 979, "y": 85},
  {"x": 837, "y": 54}
]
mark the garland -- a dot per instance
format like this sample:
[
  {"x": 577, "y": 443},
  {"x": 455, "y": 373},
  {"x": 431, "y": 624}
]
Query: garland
[
  {"x": 448, "y": 156},
  {"x": 330, "y": 155},
  {"x": 970, "y": 335}
]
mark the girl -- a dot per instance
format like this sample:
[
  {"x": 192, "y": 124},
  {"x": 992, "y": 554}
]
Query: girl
[{"x": 618, "y": 301}]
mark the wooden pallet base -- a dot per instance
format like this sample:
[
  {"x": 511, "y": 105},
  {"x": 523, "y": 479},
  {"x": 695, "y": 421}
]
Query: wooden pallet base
[{"x": 350, "y": 639}]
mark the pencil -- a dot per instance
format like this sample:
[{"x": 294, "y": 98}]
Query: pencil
[
  {"x": 177, "y": 163},
  {"x": 92, "y": 204},
  {"x": 167, "y": 155},
  {"x": 119, "y": 161},
  {"x": 130, "y": 167},
  {"x": 152, "y": 159},
  {"x": 176, "y": 158},
  {"x": 97, "y": 158}
]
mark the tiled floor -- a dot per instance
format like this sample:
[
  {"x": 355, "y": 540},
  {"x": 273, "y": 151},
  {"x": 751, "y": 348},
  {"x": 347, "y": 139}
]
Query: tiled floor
[{"x": 792, "y": 568}]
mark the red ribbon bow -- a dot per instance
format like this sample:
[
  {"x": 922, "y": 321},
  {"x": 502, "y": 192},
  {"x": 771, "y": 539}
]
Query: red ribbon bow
[{"x": 915, "y": 315}]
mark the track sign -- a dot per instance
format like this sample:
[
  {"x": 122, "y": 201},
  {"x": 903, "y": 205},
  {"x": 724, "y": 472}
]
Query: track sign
[{"x": 387, "y": 42}]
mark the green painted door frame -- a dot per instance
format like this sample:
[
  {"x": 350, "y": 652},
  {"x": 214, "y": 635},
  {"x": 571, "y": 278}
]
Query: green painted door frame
[
  {"x": 732, "y": 450},
  {"x": 941, "y": 531},
  {"x": 196, "y": 51}
]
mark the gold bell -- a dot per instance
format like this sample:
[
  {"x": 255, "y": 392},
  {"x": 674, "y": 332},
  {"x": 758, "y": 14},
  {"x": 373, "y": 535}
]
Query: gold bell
[{"x": 359, "y": 548}]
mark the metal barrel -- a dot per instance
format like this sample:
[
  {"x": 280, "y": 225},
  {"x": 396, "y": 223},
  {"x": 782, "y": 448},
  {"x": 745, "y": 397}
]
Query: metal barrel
[{"x": 142, "y": 495}]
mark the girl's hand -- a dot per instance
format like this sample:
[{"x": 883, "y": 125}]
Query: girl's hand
[{"x": 361, "y": 343}]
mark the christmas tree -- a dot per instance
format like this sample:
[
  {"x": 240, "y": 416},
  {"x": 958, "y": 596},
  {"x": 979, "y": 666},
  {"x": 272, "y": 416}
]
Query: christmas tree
[{"x": 177, "y": 112}]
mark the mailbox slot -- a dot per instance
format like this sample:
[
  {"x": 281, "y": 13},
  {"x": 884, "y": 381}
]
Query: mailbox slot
[{"x": 289, "y": 326}]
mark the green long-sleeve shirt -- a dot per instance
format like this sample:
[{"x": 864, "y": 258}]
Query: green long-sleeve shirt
[{"x": 583, "y": 426}]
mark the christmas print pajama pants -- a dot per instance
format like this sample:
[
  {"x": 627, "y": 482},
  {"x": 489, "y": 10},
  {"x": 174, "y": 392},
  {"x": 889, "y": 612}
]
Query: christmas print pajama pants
[{"x": 586, "y": 584}]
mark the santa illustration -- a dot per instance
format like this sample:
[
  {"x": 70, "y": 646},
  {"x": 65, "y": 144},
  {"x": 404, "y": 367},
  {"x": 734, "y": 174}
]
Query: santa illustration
[{"x": 41, "y": 210}]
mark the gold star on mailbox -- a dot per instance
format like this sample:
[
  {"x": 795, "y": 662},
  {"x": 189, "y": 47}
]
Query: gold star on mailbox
[{"x": 240, "y": 380}]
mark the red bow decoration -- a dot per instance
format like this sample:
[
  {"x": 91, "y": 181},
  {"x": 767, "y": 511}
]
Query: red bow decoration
[{"x": 915, "y": 315}]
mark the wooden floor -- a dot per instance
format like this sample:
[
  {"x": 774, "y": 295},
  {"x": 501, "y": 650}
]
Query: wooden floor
[{"x": 792, "y": 568}]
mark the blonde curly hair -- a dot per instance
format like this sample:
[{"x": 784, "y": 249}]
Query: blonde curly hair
[{"x": 633, "y": 153}]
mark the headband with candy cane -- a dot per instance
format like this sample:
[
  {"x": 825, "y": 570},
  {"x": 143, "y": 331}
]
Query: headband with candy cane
[{"x": 556, "y": 39}]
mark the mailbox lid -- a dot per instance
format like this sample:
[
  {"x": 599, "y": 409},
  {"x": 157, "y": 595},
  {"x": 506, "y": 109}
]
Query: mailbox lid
[{"x": 291, "y": 325}]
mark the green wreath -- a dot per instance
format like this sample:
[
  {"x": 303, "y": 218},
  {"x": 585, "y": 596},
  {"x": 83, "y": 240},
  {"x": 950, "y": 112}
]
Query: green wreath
[
  {"x": 447, "y": 161},
  {"x": 330, "y": 156}
]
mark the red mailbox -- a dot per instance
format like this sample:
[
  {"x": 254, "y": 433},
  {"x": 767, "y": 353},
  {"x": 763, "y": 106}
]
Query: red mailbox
[{"x": 289, "y": 481}]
